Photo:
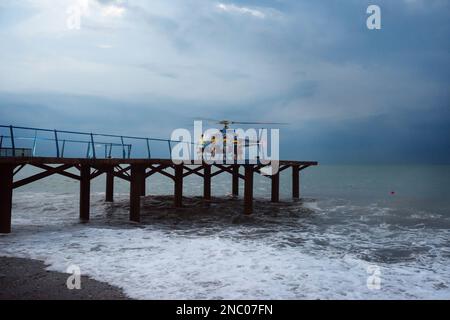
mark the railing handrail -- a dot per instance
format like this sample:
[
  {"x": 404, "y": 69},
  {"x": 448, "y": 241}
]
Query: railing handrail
[
  {"x": 89, "y": 133},
  {"x": 69, "y": 140},
  {"x": 90, "y": 141}
]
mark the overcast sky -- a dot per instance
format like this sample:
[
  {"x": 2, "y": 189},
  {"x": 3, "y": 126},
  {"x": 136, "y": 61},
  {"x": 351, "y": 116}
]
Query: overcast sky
[{"x": 351, "y": 95}]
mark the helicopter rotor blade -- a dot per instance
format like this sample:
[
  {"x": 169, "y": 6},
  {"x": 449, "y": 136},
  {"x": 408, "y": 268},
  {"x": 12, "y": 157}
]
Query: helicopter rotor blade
[
  {"x": 246, "y": 122},
  {"x": 228, "y": 122},
  {"x": 206, "y": 119}
]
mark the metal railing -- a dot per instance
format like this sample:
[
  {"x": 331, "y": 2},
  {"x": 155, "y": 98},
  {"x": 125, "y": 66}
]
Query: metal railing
[{"x": 91, "y": 141}]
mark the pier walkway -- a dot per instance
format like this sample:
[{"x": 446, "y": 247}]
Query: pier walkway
[{"x": 117, "y": 161}]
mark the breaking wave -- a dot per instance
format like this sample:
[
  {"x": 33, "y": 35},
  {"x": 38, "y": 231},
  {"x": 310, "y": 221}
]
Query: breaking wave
[{"x": 309, "y": 249}]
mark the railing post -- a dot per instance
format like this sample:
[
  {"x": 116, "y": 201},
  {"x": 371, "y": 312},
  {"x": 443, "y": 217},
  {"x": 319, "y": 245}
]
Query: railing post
[
  {"x": 62, "y": 149},
  {"x": 13, "y": 145},
  {"x": 170, "y": 149},
  {"x": 148, "y": 150},
  {"x": 189, "y": 147},
  {"x": 88, "y": 150},
  {"x": 34, "y": 143},
  {"x": 93, "y": 146},
  {"x": 123, "y": 147},
  {"x": 57, "y": 143}
]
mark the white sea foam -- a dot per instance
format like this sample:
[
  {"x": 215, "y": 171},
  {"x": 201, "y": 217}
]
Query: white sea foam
[
  {"x": 312, "y": 205},
  {"x": 157, "y": 263}
]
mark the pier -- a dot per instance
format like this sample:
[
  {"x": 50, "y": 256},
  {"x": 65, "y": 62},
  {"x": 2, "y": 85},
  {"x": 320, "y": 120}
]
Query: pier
[{"x": 15, "y": 156}]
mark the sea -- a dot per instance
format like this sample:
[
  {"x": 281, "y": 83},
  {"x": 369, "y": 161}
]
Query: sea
[{"x": 358, "y": 232}]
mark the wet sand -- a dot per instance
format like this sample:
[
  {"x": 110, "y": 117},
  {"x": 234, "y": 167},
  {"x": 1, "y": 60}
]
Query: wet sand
[{"x": 27, "y": 279}]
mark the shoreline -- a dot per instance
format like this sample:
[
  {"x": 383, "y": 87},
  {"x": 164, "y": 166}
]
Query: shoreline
[{"x": 27, "y": 279}]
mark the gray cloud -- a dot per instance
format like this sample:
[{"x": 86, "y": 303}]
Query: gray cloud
[{"x": 298, "y": 61}]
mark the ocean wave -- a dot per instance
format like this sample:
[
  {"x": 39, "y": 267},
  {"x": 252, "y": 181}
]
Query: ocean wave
[{"x": 309, "y": 249}]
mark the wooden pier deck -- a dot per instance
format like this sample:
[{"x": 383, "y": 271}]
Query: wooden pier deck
[{"x": 135, "y": 171}]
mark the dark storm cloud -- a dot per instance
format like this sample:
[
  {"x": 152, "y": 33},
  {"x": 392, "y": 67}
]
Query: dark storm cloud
[{"x": 350, "y": 94}]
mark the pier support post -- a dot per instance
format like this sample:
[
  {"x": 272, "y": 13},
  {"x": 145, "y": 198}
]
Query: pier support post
[
  {"x": 109, "y": 185},
  {"x": 6, "y": 192},
  {"x": 135, "y": 192},
  {"x": 275, "y": 187},
  {"x": 85, "y": 191},
  {"x": 295, "y": 182},
  {"x": 206, "y": 181},
  {"x": 235, "y": 187},
  {"x": 248, "y": 192},
  {"x": 143, "y": 169},
  {"x": 178, "y": 186}
]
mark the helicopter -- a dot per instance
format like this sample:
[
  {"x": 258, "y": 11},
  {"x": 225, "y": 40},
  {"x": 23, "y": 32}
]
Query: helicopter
[{"x": 238, "y": 144}]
